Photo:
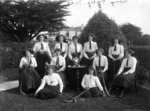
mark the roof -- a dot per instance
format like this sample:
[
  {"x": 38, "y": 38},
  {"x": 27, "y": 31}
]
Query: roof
[{"x": 72, "y": 29}]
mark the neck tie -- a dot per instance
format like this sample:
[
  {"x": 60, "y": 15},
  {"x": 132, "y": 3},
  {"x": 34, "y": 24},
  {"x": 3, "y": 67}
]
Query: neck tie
[
  {"x": 100, "y": 61},
  {"x": 57, "y": 62},
  {"x": 75, "y": 48},
  {"x": 127, "y": 62},
  {"x": 42, "y": 47},
  {"x": 115, "y": 48},
  {"x": 60, "y": 45},
  {"x": 90, "y": 47}
]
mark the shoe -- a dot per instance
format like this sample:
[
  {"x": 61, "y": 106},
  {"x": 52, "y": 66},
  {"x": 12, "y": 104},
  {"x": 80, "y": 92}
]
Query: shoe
[{"x": 121, "y": 94}]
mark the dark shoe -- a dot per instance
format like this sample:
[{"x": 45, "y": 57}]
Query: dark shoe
[{"x": 121, "y": 94}]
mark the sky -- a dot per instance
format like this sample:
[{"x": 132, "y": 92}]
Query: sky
[{"x": 136, "y": 12}]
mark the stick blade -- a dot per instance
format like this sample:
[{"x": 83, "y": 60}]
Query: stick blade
[{"x": 67, "y": 101}]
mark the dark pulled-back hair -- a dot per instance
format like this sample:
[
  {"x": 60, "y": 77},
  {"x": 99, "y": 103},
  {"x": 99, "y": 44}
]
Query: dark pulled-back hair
[
  {"x": 92, "y": 68},
  {"x": 38, "y": 37},
  {"x": 117, "y": 37}
]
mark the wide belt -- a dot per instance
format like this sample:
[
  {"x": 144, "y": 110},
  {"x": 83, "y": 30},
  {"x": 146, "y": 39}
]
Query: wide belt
[
  {"x": 115, "y": 56},
  {"x": 90, "y": 54}
]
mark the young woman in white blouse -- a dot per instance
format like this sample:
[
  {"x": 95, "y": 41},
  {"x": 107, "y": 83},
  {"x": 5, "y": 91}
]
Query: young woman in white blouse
[
  {"x": 75, "y": 51},
  {"x": 90, "y": 81},
  {"x": 29, "y": 79},
  {"x": 42, "y": 54},
  {"x": 51, "y": 85},
  {"x": 126, "y": 72},
  {"x": 115, "y": 53},
  {"x": 60, "y": 64},
  {"x": 62, "y": 45},
  {"x": 89, "y": 50}
]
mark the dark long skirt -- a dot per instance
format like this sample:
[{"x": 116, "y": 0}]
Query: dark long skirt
[
  {"x": 48, "y": 92},
  {"x": 93, "y": 92},
  {"x": 86, "y": 61},
  {"x": 41, "y": 60},
  {"x": 124, "y": 80},
  {"x": 29, "y": 80},
  {"x": 113, "y": 68}
]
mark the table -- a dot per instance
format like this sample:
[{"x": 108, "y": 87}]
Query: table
[{"x": 74, "y": 76}]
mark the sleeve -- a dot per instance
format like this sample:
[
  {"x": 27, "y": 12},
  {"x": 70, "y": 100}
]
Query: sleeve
[
  {"x": 48, "y": 50},
  {"x": 52, "y": 62},
  {"x": 122, "y": 67},
  {"x": 69, "y": 52},
  {"x": 66, "y": 50},
  {"x": 98, "y": 84},
  {"x": 35, "y": 47},
  {"x": 63, "y": 64},
  {"x": 42, "y": 83},
  {"x": 81, "y": 50},
  {"x": 96, "y": 46},
  {"x": 21, "y": 63},
  {"x": 94, "y": 63},
  {"x": 121, "y": 52},
  {"x": 84, "y": 53},
  {"x": 106, "y": 64},
  {"x": 133, "y": 66},
  {"x": 83, "y": 82},
  {"x": 34, "y": 62},
  {"x": 60, "y": 83},
  {"x": 110, "y": 53}
]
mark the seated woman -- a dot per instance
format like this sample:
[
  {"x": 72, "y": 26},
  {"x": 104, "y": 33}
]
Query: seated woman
[
  {"x": 51, "y": 85},
  {"x": 126, "y": 73},
  {"x": 90, "y": 81},
  {"x": 89, "y": 50},
  {"x": 60, "y": 64},
  {"x": 62, "y": 45},
  {"x": 75, "y": 51},
  {"x": 29, "y": 79},
  {"x": 100, "y": 64}
]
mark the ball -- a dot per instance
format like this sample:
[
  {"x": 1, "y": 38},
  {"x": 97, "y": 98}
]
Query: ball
[{"x": 75, "y": 100}]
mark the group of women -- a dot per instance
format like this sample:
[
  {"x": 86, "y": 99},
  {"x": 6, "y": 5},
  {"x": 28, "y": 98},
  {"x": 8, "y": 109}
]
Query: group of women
[{"x": 44, "y": 74}]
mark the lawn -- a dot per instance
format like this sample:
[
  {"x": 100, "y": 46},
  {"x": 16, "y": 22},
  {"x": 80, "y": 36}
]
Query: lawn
[{"x": 13, "y": 101}]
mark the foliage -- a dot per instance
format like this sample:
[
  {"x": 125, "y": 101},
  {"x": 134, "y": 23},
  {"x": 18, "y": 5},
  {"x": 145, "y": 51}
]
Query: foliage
[
  {"x": 131, "y": 32},
  {"x": 144, "y": 40},
  {"x": 24, "y": 20},
  {"x": 103, "y": 28}
]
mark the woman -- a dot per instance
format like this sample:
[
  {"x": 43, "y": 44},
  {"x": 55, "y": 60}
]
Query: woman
[
  {"x": 60, "y": 64},
  {"x": 89, "y": 50},
  {"x": 100, "y": 64},
  {"x": 126, "y": 73},
  {"x": 75, "y": 51},
  {"x": 62, "y": 45},
  {"x": 42, "y": 54},
  {"x": 91, "y": 82},
  {"x": 51, "y": 85},
  {"x": 29, "y": 79},
  {"x": 115, "y": 53}
]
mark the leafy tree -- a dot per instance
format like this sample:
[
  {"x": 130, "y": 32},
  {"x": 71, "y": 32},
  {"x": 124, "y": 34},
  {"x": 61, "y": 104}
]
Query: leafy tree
[
  {"x": 131, "y": 32},
  {"x": 104, "y": 30},
  {"x": 143, "y": 41},
  {"x": 24, "y": 20}
]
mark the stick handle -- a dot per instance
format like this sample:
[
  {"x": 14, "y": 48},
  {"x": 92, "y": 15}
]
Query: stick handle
[{"x": 80, "y": 94}]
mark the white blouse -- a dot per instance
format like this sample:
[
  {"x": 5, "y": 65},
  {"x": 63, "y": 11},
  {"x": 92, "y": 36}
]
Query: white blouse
[
  {"x": 24, "y": 61},
  {"x": 131, "y": 64},
  {"x": 103, "y": 62},
  {"x": 51, "y": 80},
  {"x": 94, "y": 47},
  {"x": 119, "y": 51},
  {"x": 62, "y": 62},
  {"x": 38, "y": 47},
  {"x": 64, "y": 48},
  {"x": 72, "y": 50},
  {"x": 91, "y": 81}
]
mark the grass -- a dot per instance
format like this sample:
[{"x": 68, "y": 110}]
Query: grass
[{"x": 13, "y": 101}]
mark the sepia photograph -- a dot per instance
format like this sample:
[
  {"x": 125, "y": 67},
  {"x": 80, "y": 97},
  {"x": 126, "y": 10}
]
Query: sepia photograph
[{"x": 74, "y": 55}]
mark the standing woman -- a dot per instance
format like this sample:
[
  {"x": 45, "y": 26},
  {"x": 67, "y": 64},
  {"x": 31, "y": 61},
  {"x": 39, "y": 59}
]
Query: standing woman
[
  {"x": 62, "y": 45},
  {"x": 100, "y": 64},
  {"x": 51, "y": 85},
  {"x": 115, "y": 53},
  {"x": 126, "y": 73},
  {"x": 60, "y": 64},
  {"x": 42, "y": 54},
  {"x": 89, "y": 50},
  {"x": 29, "y": 79},
  {"x": 91, "y": 83},
  {"x": 75, "y": 51}
]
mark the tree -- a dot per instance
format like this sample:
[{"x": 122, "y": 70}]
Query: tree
[
  {"x": 131, "y": 32},
  {"x": 104, "y": 30},
  {"x": 24, "y": 20},
  {"x": 143, "y": 41}
]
